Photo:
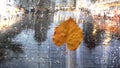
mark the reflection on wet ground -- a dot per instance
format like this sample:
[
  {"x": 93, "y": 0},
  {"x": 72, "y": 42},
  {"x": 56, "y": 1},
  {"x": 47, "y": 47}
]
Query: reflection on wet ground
[{"x": 28, "y": 44}]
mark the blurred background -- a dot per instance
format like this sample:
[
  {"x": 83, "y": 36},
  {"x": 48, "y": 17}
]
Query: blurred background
[{"x": 27, "y": 26}]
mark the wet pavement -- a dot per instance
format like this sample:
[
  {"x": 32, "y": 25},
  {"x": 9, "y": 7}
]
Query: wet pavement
[{"x": 28, "y": 44}]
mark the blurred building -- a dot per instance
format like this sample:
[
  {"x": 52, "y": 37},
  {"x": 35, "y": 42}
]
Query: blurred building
[
  {"x": 82, "y": 3},
  {"x": 52, "y": 4},
  {"x": 65, "y": 4},
  {"x": 102, "y": 1},
  {"x": 27, "y": 3}
]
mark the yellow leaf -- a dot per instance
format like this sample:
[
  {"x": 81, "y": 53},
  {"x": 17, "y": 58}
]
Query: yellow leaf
[
  {"x": 68, "y": 32},
  {"x": 59, "y": 36}
]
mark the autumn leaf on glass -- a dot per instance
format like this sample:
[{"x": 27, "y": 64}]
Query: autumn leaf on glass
[{"x": 68, "y": 32}]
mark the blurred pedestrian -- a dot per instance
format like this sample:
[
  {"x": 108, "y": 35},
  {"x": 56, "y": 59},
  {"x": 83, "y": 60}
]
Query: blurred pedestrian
[{"x": 32, "y": 12}]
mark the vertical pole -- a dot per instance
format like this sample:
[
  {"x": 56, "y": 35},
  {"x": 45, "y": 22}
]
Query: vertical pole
[
  {"x": 69, "y": 59},
  {"x": 29, "y": 9}
]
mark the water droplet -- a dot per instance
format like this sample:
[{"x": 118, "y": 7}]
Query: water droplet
[
  {"x": 48, "y": 47},
  {"x": 57, "y": 61},
  {"x": 27, "y": 58},
  {"x": 119, "y": 47},
  {"x": 26, "y": 55},
  {"x": 113, "y": 61},
  {"x": 32, "y": 58},
  {"x": 5, "y": 56}
]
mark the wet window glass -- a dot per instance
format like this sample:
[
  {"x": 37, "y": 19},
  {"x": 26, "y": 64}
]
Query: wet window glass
[{"x": 27, "y": 28}]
